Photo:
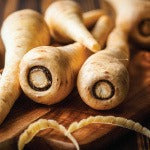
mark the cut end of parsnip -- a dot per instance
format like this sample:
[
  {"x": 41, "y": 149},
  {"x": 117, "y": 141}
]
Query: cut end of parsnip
[
  {"x": 39, "y": 78},
  {"x": 103, "y": 90}
]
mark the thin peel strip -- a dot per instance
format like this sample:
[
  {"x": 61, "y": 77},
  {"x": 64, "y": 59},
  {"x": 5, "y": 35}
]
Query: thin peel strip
[
  {"x": 39, "y": 125},
  {"x": 42, "y": 124},
  {"x": 119, "y": 121}
]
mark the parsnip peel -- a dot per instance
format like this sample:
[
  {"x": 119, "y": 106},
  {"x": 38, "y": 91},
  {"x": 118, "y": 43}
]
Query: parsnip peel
[
  {"x": 118, "y": 121},
  {"x": 39, "y": 125},
  {"x": 42, "y": 124}
]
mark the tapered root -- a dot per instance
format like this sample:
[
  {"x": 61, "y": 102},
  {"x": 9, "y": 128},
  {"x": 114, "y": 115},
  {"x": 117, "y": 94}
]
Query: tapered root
[
  {"x": 102, "y": 29},
  {"x": 91, "y": 17},
  {"x": 137, "y": 25},
  {"x": 64, "y": 19},
  {"x": 21, "y": 31}
]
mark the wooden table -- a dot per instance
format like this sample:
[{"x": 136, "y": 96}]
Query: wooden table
[{"x": 73, "y": 109}]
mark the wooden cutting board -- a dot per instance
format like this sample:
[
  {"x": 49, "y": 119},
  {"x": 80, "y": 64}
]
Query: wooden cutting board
[{"x": 95, "y": 136}]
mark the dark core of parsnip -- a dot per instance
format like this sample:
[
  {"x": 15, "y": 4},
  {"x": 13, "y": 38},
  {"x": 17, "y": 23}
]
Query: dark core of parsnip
[
  {"x": 103, "y": 79},
  {"x": 64, "y": 19},
  {"x": 48, "y": 74},
  {"x": 134, "y": 17},
  {"x": 21, "y": 31}
]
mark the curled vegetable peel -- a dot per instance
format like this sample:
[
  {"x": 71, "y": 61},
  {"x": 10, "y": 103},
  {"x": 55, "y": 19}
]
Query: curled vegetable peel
[
  {"x": 118, "y": 121},
  {"x": 42, "y": 124},
  {"x": 39, "y": 125}
]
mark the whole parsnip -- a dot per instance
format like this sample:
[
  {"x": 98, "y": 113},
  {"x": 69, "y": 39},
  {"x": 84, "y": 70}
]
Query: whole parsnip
[{"x": 21, "y": 31}]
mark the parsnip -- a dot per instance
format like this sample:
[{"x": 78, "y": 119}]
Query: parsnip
[
  {"x": 21, "y": 31},
  {"x": 134, "y": 17},
  {"x": 106, "y": 24},
  {"x": 48, "y": 74},
  {"x": 64, "y": 19},
  {"x": 91, "y": 17},
  {"x": 103, "y": 79}
]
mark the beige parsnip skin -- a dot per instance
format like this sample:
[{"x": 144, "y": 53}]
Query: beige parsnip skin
[
  {"x": 91, "y": 17},
  {"x": 134, "y": 17},
  {"x": 64, "y": 19},
  {"x": 48, "y": 74},
  {"x": 21, "y": 31},
  {"x": 103, "y": 79},
  {"x": 61, "y": 65},
  {"x": 102, "y": 28}
]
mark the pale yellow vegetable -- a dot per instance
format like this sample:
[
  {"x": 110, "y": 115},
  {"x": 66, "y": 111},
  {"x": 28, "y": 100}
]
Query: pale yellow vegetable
[
  {"x": 134, "y": 17},
  {"x": 48, "y": 74},
  {"x": 104, "y": 25},
  {"x": 91, "y": 17},
  {"x": 20, "y": 32},
  {"x": 103, "y": 79},
  {"x": 64, "y": 19}
]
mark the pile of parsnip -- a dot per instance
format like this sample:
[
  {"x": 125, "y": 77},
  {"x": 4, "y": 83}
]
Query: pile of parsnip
[{"x": 96, "y": 58}]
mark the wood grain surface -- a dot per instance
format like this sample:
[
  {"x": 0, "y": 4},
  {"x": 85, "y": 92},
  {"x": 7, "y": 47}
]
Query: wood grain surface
[{"x": 94, "y": 136}]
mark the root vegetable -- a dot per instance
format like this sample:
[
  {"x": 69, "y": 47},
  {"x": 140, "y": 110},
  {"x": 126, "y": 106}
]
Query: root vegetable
[
  {"x": 64, "y": 19},
  {"x": 48, "y": 74},
  {"x": 134, "y": 17},
  {"x": 106, "y": 24},
  {"x": 103, "y": 79},
  {"x": 91, "y": 17},
  {"x": 21, "y": 31}
]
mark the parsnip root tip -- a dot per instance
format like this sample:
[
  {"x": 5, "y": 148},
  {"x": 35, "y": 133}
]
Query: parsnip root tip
[
  {"x": 96, "y": 47},
  {"x": 21, "y": 31}
]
